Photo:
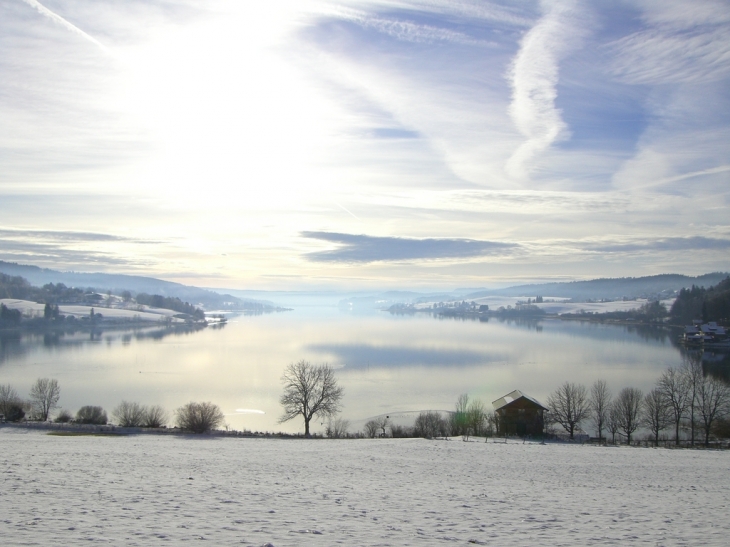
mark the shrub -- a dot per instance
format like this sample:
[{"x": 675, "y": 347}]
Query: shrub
[
  {"x": 155, "y": 416},
  {"x": 15, "y": 412},
  {"x": 430, "y": 424},
  {"x": 91, "y": 415},
  {"x": 199, "y": 417},
  {"x": 337, "y": 428},
  {"x": 128, "y": 414},
  {"x": 64, "y": 416}
]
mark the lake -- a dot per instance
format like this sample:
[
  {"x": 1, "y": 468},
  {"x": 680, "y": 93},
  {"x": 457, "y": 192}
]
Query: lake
[{"x": 388, "y": 364}]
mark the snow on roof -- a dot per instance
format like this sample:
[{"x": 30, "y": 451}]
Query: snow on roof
[{"x": 513, "y": 396}]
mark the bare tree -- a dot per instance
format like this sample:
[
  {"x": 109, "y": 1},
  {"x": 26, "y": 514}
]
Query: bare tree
[
  {"x": 628, "y": 407},
  {"x": 155, "y": 416},
  {"x": 676, "y": 390},
  {"x": 309, "y": 391},
  {"x": 459, "y": 419},
  {"x": 382, "y": 422},
  {"x": 613, "y": 421},
  {"x": 199, "y": 417},
  {"x": 657, "y": 413},
  {"x": 8, "y": 398},
  {"x": 569, "y": 406},
  {"x": 371, "y": 429},
  {"x": 128, "y": 414},
  {"x": 337, "y": 427},
  {"x": 44, "y": 397},
  {"x": 11, "y": 405},
  {"x": 713, "y": 402},
  {"x": 429, "y": 424},
  {"x": 475, "y": 416},
  {"x": 691, "y": 369},
  {"x": 600, "y": 405}
]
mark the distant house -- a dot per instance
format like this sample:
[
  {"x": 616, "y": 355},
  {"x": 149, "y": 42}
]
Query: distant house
[{"x": 519, "y": 414}]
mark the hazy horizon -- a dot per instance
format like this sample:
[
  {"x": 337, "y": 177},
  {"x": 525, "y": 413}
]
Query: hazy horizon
[{"x": 346, "y": 144}]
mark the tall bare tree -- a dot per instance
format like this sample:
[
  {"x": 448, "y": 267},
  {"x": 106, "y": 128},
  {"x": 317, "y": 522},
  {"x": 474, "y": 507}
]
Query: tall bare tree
[
  {"x": 8, "y": 398},
  {"x": 628, "y": 407},
  {"x": 371, "y": 429},
  {"x": 569, "y": 406},
  {"x": 600, "y": 405},
  {"x": 691, "y": 369},
  {"x": 613, "y": 422},
  {"x": 676, "y": 390},
  {"x": 713, "y": 402},
  {"x": 657, "y": 413},
  {"x": 474, "y": 419},
  {"x": 460, "y": 419},
  {"x": 44, "y": 397},
  {"x": 309, "y": 391}
]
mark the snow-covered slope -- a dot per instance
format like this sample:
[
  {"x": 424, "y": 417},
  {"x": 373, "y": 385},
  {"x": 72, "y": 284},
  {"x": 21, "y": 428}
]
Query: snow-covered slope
[{"x": 150, "y": 490}]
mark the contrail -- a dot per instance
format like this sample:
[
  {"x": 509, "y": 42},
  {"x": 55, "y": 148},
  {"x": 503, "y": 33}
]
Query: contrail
[
  {"x": 346, "y": 210},
  {"x": 534, "y": 76},
  {"x": 60, "y": 20}
]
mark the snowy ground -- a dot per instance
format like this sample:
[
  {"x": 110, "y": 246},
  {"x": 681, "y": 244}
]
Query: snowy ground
[
  {"x": 145, "y": 313},
  {"x": 150, "y": 490}
]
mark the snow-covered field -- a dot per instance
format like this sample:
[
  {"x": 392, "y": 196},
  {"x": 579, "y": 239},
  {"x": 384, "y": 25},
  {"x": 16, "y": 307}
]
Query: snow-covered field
[
  {"x": 146, "y": 313},
  {"x": 150, "y": 490}
]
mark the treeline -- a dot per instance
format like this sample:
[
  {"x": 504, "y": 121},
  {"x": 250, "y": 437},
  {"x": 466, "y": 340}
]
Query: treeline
[
  {"x": 170, "y": 303},
  {"x": 45, "y": 394},
  {"x": 711, "y": 304},
  {"x": 15, "y": 286}
]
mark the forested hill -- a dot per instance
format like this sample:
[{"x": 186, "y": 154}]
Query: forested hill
[
  {"x": 655, "y": 286},
  {"x": 711, "y": 304},
  {"x": 137, "y": 284}
]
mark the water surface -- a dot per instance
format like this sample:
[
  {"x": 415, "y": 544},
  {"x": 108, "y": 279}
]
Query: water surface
[{"x": 387, "y": 363}]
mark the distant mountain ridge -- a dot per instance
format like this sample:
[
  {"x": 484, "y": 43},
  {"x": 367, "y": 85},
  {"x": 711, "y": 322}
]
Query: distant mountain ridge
[
  {"x": 138, "y": 284},
  {"x": 609, "y": 288}
]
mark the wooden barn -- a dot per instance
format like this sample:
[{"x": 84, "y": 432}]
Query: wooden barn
[{"x": 519, "y": 414}]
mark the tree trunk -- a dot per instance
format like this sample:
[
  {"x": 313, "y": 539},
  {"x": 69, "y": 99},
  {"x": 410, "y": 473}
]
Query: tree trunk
[{"x": 306, "y": 427}]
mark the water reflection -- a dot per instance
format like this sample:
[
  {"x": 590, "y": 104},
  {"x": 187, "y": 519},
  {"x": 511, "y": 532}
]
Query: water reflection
[
  {"x": 15, "y": 343},
  {"x": 368, "y": 355},
  {"x": 386, "y": 363}
]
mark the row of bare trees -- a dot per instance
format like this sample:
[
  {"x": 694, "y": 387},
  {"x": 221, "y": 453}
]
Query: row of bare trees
[
  {"x": 683, "y": 398},
  {"x": 45, "y": 394}
]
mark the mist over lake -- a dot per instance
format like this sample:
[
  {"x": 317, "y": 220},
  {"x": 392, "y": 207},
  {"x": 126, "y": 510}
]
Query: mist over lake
[{"x": 387, "y": 363}]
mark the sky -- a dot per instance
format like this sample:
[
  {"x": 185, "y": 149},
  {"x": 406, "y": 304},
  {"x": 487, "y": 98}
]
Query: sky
[{"x": 316, "y": 144}]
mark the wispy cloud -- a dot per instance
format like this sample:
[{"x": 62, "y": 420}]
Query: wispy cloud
[
  {"x": 669, "y": 55},
  {"x": 364, "y": 249},
  {"x": 409, "y": 31},
  {"x": 694, "y": 243},
  {"x": 534, "y": 78}
]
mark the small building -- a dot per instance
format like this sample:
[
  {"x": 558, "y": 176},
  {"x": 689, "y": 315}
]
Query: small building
[{"x": 519, "y": 414}]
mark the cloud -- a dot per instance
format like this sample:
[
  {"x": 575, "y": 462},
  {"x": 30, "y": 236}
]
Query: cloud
[
  {"x": 60, "y": 235},
  {"x": 534, "y": 79},
  {"x": 408, "y": 31},
  {"x": 693, "y": 243},
  {"x": 364, "y": 249},
  {"x": 668, "y": 55},
  {"x": 60, "y": 20}
]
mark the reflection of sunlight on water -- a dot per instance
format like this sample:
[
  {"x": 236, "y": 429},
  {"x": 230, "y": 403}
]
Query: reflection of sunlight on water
[{"x": 385, "y": 364}]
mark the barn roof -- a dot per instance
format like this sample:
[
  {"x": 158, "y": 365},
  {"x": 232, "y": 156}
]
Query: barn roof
[{"x": 513, "y": 396}]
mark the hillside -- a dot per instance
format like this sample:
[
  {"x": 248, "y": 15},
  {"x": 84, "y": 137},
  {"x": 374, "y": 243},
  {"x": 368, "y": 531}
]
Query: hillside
[
  {"x": 117, "y": 283},
  {"x": 653, "y": 287}
]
